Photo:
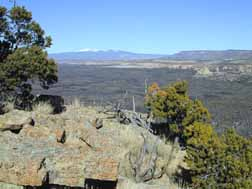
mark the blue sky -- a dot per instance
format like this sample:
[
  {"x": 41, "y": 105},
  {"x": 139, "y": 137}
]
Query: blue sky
[{"x": 148, "y": 26}]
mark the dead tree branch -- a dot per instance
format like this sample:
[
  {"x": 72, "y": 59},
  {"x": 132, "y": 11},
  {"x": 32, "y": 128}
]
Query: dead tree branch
[
  {"x": 118, "y": 111},
  {"x": 144, "y": 164}
]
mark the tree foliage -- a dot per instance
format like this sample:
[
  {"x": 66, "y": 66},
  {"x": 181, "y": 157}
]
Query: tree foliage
[
  {"x": 222, "y": 162},
  {"x": 23, "y": 58},
  {"x": 213, "y": 161},
  {"x": 174, "y": 107}
]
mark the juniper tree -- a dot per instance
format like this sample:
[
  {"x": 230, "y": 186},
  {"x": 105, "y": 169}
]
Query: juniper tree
[
  {"x": 213, "y": 161},
  {"x": 173, "y": 105},
  {"x": 23, "y": 56}
]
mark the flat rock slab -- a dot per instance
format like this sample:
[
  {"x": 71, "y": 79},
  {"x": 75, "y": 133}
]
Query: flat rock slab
[
  {"x": 36, "y": 156},
  {"x": 14, "y": 121}
]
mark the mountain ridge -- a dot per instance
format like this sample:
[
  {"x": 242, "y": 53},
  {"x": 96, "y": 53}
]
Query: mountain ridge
[
  {"x": 101, "y": 55},
  {"x": 116, "y": 55},
  {"x": 230, "y": 54}
]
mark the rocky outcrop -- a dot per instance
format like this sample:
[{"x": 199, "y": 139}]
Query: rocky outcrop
[
  {"x": 67, "y": 155},
  {"x": 79, "y": 148},
  {"x": 16, "y": 125}
]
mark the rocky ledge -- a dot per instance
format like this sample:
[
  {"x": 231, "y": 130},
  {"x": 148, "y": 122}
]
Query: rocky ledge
[
  {"x": 70, "y": 154},
  {"x": 80, "y": 148}
]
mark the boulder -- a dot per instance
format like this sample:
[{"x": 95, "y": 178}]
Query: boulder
[
  {"x": 15, "y": 124},
  {"x": 66, "y": 155},
  {"x": 97, "y": 123},
  {"x": 101, "y": 169}
]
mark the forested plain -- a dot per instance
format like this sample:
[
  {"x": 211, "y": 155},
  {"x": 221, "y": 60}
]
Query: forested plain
[{"x": 229, "y": 102}]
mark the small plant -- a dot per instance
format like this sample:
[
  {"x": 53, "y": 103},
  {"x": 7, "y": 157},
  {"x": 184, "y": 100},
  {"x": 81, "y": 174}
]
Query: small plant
[
  {"x": 76, "y": 103},
  {"x": 147, "y": 162},
  {"x": 7, "y": 107},
  {"x": 144, "y": 163},
  {"x": 43, "y": 108}
]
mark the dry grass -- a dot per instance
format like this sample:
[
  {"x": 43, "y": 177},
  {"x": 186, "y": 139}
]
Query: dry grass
[
  {"x": 43, "y": 108},
  {"x": 75, "y": 104},
  {"x": 130, "y": 140},
  {"x": 9, "y": 106},
  {"x": 129, "y": 184},
  {"x": 74, "y": 110}
]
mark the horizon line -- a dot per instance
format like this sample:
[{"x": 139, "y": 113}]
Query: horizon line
[{"x": 154, "y": 53}]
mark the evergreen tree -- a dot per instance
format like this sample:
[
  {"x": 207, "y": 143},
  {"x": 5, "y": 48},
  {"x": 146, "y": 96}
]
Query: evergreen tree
[
  {"x": 213, "y": 161},
  {"x": 174, "y": 107},
  {"x": 23, "y": 58}
]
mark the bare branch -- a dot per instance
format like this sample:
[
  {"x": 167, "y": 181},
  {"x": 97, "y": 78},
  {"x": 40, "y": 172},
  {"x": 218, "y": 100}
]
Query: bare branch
[{"x": 144, "y": 164}]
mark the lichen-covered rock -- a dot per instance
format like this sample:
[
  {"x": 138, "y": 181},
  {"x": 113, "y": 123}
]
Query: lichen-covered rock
[
  {"x": 15, "y": 122},
  {"x": 60, "y": 155},
  {"x": 67, "y": 150},
  {"x": 18, "y": 162},
  {"x": 102, "y": 169}
]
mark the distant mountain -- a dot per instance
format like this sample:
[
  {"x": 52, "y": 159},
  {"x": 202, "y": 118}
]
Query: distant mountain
[
  {"x": 222, "y": 56},
  {"x": 102, "y": 55},
  {"x": 225, "y": 55}
]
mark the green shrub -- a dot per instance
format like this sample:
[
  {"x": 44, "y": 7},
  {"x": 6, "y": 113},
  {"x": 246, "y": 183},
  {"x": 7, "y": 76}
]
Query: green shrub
[
  {"x": 220, "y": 162},
  {"x": 173, "y": 105},
  {"x": 213, "y": 161}
]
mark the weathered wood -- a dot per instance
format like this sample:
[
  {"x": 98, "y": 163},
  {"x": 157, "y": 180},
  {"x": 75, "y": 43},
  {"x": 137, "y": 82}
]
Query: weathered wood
[
  {"x": 144, "y": 171},
  {"x": 118, "y": 111},
  {"x": 133, "y": 104}
]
